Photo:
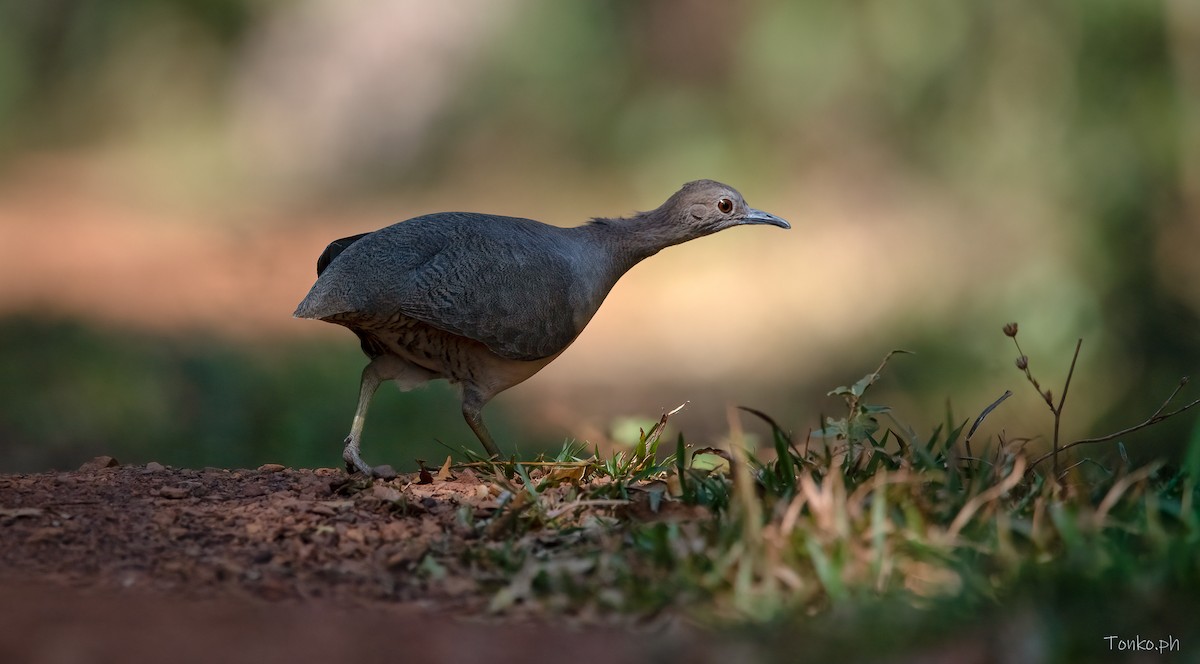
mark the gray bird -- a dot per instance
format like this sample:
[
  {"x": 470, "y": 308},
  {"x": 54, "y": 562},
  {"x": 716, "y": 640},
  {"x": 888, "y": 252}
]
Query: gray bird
[{"x": 486, "y": 301}]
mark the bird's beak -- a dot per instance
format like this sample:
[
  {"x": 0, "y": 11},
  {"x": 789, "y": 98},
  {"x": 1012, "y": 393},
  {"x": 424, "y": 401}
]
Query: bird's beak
[{"x": 759, "y": 217}]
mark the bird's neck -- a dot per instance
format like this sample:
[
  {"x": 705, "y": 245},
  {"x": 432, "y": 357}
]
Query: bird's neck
[{"x": 631, "y": 240}]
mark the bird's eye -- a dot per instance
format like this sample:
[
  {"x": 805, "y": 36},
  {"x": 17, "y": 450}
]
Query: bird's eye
[{"x": 725, "y": 205}]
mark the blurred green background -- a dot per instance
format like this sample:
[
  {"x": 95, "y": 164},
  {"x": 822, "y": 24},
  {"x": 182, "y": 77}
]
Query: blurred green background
[{"x": 170, "y": 170}]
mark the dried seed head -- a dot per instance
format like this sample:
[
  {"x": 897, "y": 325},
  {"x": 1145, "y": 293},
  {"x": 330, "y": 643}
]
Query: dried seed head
[
  {"x": 1184, "y": 380},
  {"x": 1049, "y": 396},
  {"x": 1023, "y": 363},
  {"x": 1010, "y": 330}
]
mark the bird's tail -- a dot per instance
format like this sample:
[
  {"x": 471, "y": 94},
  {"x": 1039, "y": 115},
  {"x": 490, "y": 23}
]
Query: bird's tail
[{"x": 318, "y": 304}]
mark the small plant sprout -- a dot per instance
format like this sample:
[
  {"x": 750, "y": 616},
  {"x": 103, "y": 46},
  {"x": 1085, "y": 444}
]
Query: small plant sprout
[{"x": 1010, "y": 330}]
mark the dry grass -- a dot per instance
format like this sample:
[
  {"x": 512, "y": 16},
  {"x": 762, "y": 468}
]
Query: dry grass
[{"x": 854, "y": 516}]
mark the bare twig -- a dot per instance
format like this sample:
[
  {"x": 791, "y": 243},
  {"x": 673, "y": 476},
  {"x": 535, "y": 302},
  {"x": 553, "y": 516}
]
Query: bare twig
[
  {"x": 1080, "y": 463},
  {"x": 1010, "y": 331},
  {"x": 1061, "y": 401},
  {"x": 1155, "y": 418}
]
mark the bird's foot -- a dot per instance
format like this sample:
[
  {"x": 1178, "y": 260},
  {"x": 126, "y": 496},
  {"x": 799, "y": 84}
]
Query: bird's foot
[{"x": 354, "y": 462}]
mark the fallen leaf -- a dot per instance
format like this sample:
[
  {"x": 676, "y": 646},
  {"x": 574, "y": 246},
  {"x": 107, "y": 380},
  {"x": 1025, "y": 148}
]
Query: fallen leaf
[
  {"x": 444, "y": 475},
  {"x": 572, "y": 474}
]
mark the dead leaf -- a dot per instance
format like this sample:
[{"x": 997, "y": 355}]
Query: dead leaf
[
  {"x": 572, "y": 474},
  {"x": 444, "y": 475}
]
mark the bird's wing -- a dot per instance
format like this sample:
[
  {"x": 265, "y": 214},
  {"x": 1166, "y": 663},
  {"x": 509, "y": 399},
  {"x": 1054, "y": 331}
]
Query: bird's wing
[
  {"x": 334, "y": 249},
  {"x": 507, "y": 283}
]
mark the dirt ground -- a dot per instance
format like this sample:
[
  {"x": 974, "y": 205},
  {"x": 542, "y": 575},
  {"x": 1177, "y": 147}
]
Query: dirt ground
[{"x": 151, "y": 564}]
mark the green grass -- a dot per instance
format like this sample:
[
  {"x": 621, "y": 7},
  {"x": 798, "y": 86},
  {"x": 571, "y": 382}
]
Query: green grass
[{"x": 865, "y": 537}]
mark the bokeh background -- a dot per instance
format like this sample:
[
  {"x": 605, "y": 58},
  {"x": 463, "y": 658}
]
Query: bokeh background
[{"x": 170, "y": 170}]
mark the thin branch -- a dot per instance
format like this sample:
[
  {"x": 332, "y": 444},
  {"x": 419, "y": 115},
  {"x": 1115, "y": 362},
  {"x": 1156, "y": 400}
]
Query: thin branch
[
  {"x": 1023, "y": 365},
  {"x": 1080, "y": 463},
  {"x": 1153, "y": 420},
  {"x": 1070, "y": 372},
  {"x": 1182, "y": 381},
  {"x": 1061, "y": 401},
  {"x": 1157, "y": 417}
]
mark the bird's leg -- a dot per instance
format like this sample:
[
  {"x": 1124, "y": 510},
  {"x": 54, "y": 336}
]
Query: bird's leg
[
  {"x": 473, "y": 403},
  {"x": 371, "y": 379}
]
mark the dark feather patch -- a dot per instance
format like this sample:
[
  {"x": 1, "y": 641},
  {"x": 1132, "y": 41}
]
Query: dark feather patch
[{"x": 334, "y": 249}]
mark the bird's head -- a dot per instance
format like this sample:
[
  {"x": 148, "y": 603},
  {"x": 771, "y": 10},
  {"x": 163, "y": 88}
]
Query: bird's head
[
  {"x": 699, "y": 208},
  {"x": 704, "y": 207}
]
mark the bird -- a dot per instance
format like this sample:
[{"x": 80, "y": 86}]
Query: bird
[{"x": 486, "y": 301}]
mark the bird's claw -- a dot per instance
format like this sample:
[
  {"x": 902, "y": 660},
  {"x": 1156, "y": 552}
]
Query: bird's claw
[{"x": 354, "y": 462}]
